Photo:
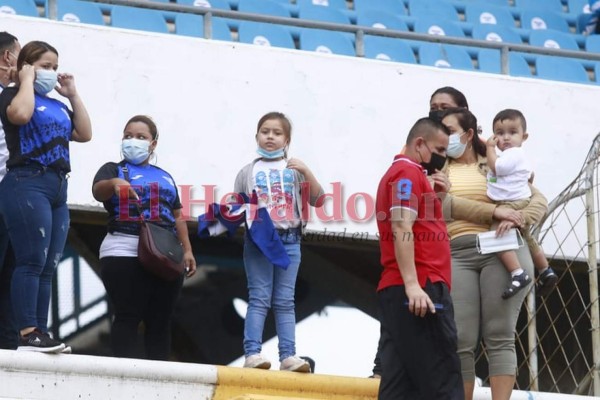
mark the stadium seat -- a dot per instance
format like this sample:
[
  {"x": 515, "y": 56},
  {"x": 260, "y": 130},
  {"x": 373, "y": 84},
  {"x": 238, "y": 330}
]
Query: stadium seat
[
  {"x": 219, "y": 4},
  {"x": 581, "y": 22},
  {"x": 550, "y": 5},
  {"x": 395, "y": 7},
  {"x": 495, "y": 33},
  {"x": 444, "y": 56},
  {"x": 79, "y": 11},
  {"x": 542, "y": 19},
  {"x": 323, "y": 41},
  {"x": 489, "y": 61},
  {"x": 193, "y": 25},
  {"x": 498, "y": 3},
  {"x": 380, "y": 19},
  {"x": 592, "y": 43},
  {"x": 389, "y": 49},
  {"x": 480, "y": 13},
  {"x": 266, "y": 7},
  {"x": 138, "y": 18},
  {"x": 335, "y": 4},
  {"x": 597, "y": 72},
  {"x": 263, "y": 34},
  {"x": 327, "y": 14},
  {"x": 432, "y": 8},
  {"x": 552, "y": 39},
  {"x": 19, "y": 7},
  {"x": 437, "y": 26},
  {"x": 578, "y": 6},
  {"x": 561, "y": 69}
]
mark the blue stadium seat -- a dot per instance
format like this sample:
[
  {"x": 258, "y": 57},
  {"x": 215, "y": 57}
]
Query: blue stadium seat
[
  {"x": 578, "y": 6},
  {"x": 552, "y": 39},
  {"x": 444, "y": 56},
  {"x": 499, "y": 3},
  {"x": 433, "y": 8},
  {"x": 480, "y": 13},
  {"x": 79, "y": 11},
  {"x": 336, "y": 4},
  {"x": 19, "y": 7},
  {"x": 597, "y": 72},
  {"x": 581, "y": 22},
  {"x": 542, "y": 19},
  {"x": 395, "y": 7},
  {"x": 389, "y": 49},
  {"x": 437, "y": 26},
  {"x": 489, "y": 61},
  {"x": 550, "y": 5},
  {"x": 561, "y": 69},
  {"x": 323, "y": 41},
  {"x": 317, "y": 13},
  {"x": 495, "y": 33},
  {"x": 592, "y": 43},
  {"x": 380, "y": 19},
  {"x": 219, "y": 4},
  {"x": 266, "y": 7},
  {"x": 193, "y": 25},
  {"x": 138, "y": 18},
  {"x": 263, "y": 34}
]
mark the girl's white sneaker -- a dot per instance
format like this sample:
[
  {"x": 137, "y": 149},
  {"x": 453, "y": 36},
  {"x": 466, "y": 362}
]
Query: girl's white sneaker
[
  {"x": 295, "y": 364},
  {"x": 257, "y": 361}
]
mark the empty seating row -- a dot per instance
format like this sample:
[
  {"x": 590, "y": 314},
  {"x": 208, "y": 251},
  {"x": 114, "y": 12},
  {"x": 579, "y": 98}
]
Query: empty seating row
[{"x": 336, "y": 42}]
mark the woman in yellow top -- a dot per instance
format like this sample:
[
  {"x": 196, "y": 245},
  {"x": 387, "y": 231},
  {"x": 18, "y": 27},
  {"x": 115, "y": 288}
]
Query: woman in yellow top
[{"x": 479, "y": 308}]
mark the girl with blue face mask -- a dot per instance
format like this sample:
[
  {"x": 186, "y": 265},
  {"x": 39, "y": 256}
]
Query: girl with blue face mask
[
  {"x": 38, "y": 130},
  {"x": 281, "y": 184},
  {"x": 132, "y": 290}
]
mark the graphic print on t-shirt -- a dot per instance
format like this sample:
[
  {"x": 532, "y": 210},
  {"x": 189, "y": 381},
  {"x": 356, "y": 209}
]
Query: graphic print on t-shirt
[{"x": 275, "y": 187}]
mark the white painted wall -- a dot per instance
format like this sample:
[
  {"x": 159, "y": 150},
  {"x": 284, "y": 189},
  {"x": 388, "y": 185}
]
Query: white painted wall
[{"x": 350, "y": 115}]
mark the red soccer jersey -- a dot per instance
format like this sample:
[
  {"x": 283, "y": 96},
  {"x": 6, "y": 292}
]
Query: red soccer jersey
[{"x": 405, "y": 185}]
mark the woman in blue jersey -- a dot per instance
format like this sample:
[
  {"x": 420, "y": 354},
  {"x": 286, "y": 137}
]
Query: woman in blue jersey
[
  {"x": 137, "y": 295},
  {"x": 33, "y": 195}
]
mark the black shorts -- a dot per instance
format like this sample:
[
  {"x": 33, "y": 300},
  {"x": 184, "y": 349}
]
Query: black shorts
[{"x": 418, "y": 355}]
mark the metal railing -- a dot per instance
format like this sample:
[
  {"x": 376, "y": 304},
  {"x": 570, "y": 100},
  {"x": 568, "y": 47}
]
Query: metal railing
[{"x": 358, "y": 31}]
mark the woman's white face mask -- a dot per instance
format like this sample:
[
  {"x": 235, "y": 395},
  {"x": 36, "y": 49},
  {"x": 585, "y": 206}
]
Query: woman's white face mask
[{"x": 455, "y": 147}]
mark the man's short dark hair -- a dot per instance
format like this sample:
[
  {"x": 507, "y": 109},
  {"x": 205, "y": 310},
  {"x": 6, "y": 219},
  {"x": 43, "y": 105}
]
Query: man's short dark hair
[
  {"x": 425, "y": 128},
  {"x": 7, "y": 41}
]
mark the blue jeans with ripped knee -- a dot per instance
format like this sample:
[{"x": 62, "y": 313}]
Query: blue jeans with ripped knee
[{"x": 33, "y": 201}]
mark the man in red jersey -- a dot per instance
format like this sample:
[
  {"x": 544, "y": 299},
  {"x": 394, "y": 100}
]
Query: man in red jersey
[{"x": 418, "y": 342}]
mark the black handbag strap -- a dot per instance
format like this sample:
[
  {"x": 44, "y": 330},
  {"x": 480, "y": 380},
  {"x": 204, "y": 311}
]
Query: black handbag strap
[{"x": 137, "y": 204}]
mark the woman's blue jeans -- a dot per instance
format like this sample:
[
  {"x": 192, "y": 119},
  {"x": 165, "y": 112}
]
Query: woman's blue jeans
[
  {"x": 33, "y": 201},
  {"x": 271, "y": 287}
]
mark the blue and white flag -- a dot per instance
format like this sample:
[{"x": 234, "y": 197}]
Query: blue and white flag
[{"x": 260, "y": 230}]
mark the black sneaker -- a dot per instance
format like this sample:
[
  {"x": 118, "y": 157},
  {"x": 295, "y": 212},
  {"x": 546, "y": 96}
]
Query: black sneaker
[
  {"x": 546, "y": 282},
  {"x": 37, "y": 341},
  {"x": 516, "y": 284}
]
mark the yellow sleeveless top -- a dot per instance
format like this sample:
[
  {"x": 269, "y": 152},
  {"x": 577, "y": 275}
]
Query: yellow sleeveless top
[{"x": 467, "y": 182}]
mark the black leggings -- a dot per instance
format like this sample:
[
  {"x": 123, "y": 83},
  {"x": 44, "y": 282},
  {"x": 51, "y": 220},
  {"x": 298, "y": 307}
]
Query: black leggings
[{"x": 138, "y": 296}]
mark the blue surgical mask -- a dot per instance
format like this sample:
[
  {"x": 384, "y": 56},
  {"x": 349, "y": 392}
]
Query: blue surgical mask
[
  {"x": 135, "y": 151},
  {"x": 45, "y": 81},
  {"x": 270, "y": 155},
  {"x": 455, "y": 147}
]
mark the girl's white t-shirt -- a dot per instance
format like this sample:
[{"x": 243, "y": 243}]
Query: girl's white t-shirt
[
  {"x": 511, "y": 180},
  {"x": 274, "y": 185}
]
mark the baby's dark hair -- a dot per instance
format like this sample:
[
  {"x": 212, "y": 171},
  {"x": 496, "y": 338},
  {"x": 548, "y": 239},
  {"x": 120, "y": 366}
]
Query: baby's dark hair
[{"x": 512, "y": 115}]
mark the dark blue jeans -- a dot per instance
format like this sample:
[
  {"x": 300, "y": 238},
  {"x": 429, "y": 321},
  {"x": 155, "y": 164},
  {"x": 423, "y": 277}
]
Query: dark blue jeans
[
  {"x": 33, "y": 201},
  {"x": 8, "y": 330}
]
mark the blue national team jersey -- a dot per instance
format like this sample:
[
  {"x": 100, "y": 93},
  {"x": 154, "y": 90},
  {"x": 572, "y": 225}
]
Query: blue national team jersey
[
  {"x": 44, "y": 139},
  {"x": 157, "y": 192}
]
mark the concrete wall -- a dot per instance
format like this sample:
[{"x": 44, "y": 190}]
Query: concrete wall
[{"x": 350, "y": 115}]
